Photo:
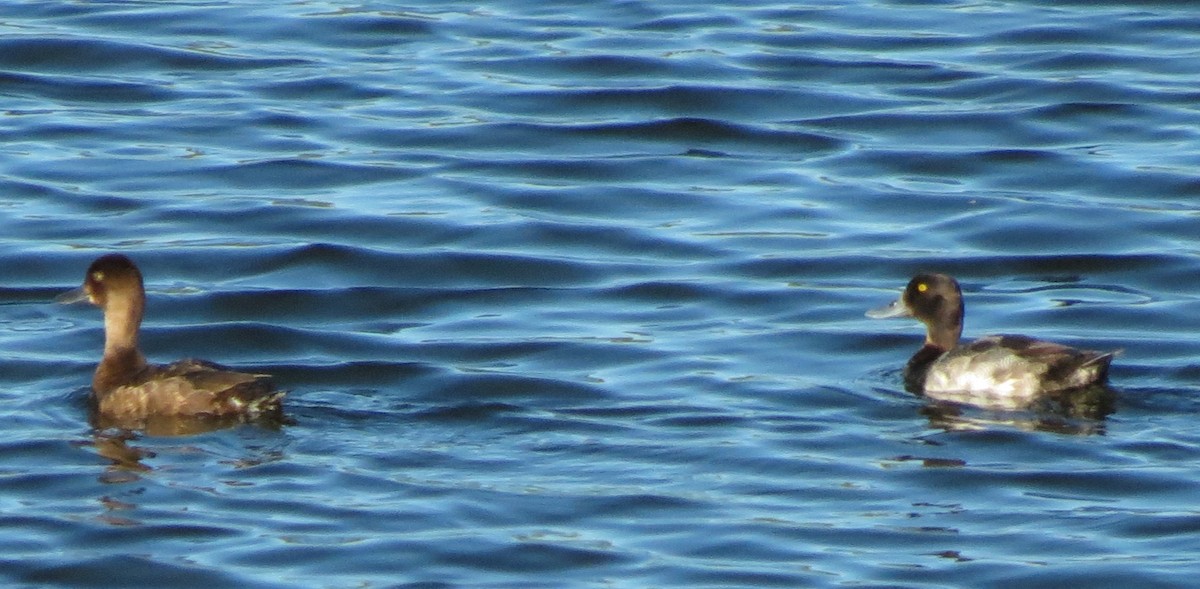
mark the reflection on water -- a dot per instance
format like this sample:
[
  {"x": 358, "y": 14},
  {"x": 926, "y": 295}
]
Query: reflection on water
[
  {"x": 114, "y": 445},
  {"x": 1080, "y": 412},
  {"x": 183, "y": 425}
]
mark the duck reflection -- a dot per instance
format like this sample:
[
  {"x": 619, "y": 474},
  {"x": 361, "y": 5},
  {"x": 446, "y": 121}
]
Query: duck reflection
[
  {"x": 126, "y": 459},
  {"x": 127, "y": 476},
  {"x": 112, "y": 437},
  {"x": 1080, "y": 411},
  {"x": 180, "y": 425}
]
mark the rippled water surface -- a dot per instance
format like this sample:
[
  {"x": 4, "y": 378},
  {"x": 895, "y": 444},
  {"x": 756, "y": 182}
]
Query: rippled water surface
[{"x": 571, "y": 294}]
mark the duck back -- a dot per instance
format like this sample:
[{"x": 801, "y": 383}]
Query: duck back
[
  {"x": 1012, "y": 370},
  {"x": 190, "y": 388}
]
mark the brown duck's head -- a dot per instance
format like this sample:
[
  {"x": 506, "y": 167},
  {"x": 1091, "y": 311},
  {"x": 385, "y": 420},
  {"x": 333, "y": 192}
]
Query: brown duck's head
[
  {"x": 109, "y": 279},
  {"x": 936, "y": 301}
]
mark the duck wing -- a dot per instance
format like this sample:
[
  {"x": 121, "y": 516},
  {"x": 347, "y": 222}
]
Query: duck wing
[
  {"x": 195, "y": 387},
  {"x": 1054, "y": 366}
]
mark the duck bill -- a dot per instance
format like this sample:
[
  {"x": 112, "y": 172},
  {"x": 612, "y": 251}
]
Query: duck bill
[
  {"x": 895, "y": 309},
  {"x": 72, "y": 296}
]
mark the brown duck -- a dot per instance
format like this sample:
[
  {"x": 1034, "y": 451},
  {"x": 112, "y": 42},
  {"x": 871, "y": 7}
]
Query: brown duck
[{"x": 126, "y": 388}]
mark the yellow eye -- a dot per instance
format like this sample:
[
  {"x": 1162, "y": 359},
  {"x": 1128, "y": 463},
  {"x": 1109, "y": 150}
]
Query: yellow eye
[
  {"x": 922, "y": 287},
  {"x": 98, "y": 276}
]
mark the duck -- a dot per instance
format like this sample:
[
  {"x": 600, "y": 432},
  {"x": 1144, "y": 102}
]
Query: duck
[
  {"x": 1004, "y": 371},
  {"x": 128, "y": 389}
]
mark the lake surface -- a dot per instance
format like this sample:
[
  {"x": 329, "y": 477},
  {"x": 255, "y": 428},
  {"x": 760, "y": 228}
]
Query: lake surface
[{"x": 571, "y": 294}]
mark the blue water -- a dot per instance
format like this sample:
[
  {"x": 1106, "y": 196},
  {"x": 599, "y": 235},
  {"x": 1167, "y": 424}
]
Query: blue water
[{"x": 572, "y": 294}]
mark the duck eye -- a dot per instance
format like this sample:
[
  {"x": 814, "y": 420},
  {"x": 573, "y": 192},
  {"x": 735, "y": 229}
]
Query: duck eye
[
  {"x": 922, "y": 287},
  {"x": 98, "y": 276}
]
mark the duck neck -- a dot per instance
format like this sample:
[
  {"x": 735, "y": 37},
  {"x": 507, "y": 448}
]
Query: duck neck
[
  {"x": 918, "y": 366},
  {"x": 946, "y": 328},
  {"x": 944, "y": 339},
  {"x": 122, "y": 318}
]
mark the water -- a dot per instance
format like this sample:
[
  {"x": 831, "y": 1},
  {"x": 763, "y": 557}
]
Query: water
[{"x": 572, "y": 295}]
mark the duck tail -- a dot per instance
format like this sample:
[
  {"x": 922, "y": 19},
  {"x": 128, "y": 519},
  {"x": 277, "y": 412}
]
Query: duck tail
[
  {"x": 1103, "y": 357},
  {"x": 1100, "y": 362},
  {"x": 270, "y": 405}
]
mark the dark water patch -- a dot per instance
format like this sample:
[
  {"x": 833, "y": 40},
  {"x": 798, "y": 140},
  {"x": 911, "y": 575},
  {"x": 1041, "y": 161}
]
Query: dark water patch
[
  {"x": 238, "y": 338},
  {"x": 134, "y": 569},
  {"x": 1053, "y": 35},
  {"x": 71, "y": 89},
  {"x": 1073, "y": 235},
  {"x": 93, "y": 55},
  {"x": 51, "y": 132},
  {"x": 385, "y": 228},
  {"x": 322, "y": 88},
  {"x": 631, "y": 412},
  {"x": 1112, "y": 62},
  {"x": 24, "y": 319},
  {"x": 1157, "y": 527},
  {"x": 826, "y": 31},
  {"x": 982, "y": 88},
  {"x": 699, "y": 573},
  {"x": 1087, "y": 486},
  {"x": 365, "y": 29},
  {"x": 653, "y": 205},
  {"x": 614, "y": 138},
  {"x": 475, "y": 386},
  {"x": 577, "y": 355},
  {"x": 690, "y": 23},
  {"x": 221, "y": 25},
  {"x": 298, "y": 173},
  {"x": 992, "y": 164},
  {"x": 905, "y": 264},
  {"x": 700, "y": 421},
  {"x": 1085, "y": 571},
  {"x": 292, "y": 122},
  {"x": 141, "y": 534},
  {"x": 620, "y": 244},
  {"x": 532, "y": 556},
  {"x": 315, "y": 306},
  {"x": 30, "y": 450},
  {"x": 968, "y": 129},
  {"x": 1128, "y": 120},
  {"x": 572, "y": 171},
  {"x": 19, "y": 192},
  {"x": 473, "y": 412},
  {"x": 601, "y": 68},
  {"x": 718, "y": 102},
  {"x": 1166, "y": 32},
  {"x": 1051, "y": 91},
  {"x": 663, "y": 292},
  {"x": 908, "y": 75},
  {"x": 360, "y": 406},
  {"x": 479, "y": 269},
  {"x": 718, "y": 133}
]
